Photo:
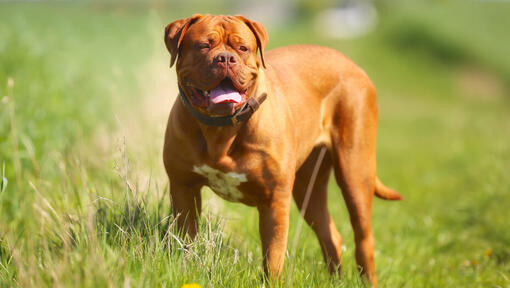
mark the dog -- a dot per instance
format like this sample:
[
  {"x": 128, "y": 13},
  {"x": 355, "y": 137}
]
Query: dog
[{"x": 254, "y": 129}]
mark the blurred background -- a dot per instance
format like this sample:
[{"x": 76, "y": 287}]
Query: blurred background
[{"x": 85, "y": 90}]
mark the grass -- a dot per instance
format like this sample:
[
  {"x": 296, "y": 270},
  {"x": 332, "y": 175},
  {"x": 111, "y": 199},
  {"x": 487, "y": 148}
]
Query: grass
[{"x": 84, "y": 92}]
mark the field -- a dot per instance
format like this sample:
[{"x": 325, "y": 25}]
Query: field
[{"x": 85, "y": 90}]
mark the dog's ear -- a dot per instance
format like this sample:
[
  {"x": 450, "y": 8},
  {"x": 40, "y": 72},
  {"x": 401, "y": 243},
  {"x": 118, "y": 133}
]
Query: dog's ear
[
  {"x": 260, "y": 34},
  {"x": 174, "y": 33}
]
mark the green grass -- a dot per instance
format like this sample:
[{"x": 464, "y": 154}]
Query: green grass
[{"x": 86, "y": 201}]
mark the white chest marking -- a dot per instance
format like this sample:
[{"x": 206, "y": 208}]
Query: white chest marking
[{"x": 223, "y": 184}]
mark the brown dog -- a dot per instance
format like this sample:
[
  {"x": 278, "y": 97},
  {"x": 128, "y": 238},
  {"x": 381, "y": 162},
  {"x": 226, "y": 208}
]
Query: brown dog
[{"x": 222, "y": 133}]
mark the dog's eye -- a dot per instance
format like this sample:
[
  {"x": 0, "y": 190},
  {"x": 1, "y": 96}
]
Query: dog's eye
[
  {"x": 203, "y": 46},
  {"x": 243, "y": 48}
]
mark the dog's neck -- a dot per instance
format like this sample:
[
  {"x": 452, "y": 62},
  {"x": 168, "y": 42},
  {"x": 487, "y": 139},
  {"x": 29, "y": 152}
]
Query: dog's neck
[{"x": 221, "y": 141}]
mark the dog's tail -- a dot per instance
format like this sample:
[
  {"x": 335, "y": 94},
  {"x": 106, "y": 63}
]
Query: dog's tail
[{"x": 384, "y": 192}]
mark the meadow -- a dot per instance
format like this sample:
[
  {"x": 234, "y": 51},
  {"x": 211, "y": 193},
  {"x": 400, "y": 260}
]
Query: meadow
[{"x": 85, "y": 91}]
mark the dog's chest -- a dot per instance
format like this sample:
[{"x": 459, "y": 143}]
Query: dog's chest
[{"x": 225, "y": 185}]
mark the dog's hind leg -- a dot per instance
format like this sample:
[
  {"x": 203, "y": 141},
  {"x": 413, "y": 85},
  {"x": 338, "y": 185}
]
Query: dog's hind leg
[
  {"x": 316, "y": 213},
  {"x": 353, "y": 139}
]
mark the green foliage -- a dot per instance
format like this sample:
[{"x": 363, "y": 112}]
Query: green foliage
[
  {"x": 454, "y": 31},
  {"x": 75, "y": 215}
]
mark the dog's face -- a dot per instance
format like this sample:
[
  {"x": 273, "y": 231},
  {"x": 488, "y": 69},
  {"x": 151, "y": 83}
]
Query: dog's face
[{"x": 217, "y": 63}]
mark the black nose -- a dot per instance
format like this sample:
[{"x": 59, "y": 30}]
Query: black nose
[{"x": 225, "y": 58}]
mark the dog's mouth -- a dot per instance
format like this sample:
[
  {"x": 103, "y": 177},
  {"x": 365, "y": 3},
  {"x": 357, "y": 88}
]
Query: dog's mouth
[{"x": 222, "y": 100}]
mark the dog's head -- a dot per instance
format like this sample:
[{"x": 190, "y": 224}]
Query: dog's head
[{"x": 217, "y": 63}]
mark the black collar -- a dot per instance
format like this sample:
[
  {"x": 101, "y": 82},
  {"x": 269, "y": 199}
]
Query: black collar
[{"x": 240, "y": 115}]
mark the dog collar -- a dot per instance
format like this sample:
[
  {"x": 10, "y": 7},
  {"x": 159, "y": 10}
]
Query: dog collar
[{"x": 240, "y": 115}]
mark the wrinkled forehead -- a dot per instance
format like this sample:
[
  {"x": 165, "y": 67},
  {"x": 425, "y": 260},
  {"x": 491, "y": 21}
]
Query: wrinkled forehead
[{"x": 219, "y": 27}]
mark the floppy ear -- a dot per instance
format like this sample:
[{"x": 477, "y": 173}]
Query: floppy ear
[
  {"x": 174, "y": 33},
  {"x": 260, "y": 34}
]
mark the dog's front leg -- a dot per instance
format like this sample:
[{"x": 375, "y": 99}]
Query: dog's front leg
[
  {"x": 186, "y": 204},
  {"x": 274, "y": 229}
]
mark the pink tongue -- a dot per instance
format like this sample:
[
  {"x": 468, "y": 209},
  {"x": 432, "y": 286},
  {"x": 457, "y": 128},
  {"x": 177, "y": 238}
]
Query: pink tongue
[{"x": 222, "y": 94}]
